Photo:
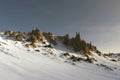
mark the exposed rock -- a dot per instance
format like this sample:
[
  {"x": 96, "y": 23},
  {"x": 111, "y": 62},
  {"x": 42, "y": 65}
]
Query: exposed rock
[
  {"x": 66, "y": 54},
  {"x": 27, "y": 45},
  {"x": 76, "y": 58},
  {"x": 36, "y": 36},
  {"x": 113, "y": 60},
  {"x": 50, "y": 37},
  {"x": 33, "y": 45},
  {"x": 8, "y": 32},
  {"x": 19, "y": 37},
  {"x": 37, "y": 50},
  {"x": 48, "y": 46}
]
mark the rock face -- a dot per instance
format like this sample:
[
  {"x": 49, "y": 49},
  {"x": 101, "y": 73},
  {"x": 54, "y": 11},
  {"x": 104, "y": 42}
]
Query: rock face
[
  {"x": 27, "y": 45},
  {"x": 19, "y": 37},
  {"x": 36, "y": 36},
  {"x": 50, "y": 37},
  {"x": 33, "y": 45},
  {"x": 32, "y": 37},
  {"x": 9, "y": 32}
]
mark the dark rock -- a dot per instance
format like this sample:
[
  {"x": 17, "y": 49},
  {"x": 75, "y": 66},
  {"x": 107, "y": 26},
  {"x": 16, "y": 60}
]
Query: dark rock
[
  {"x": 37, "y": 50},
  {"x": 48, "y": 46}
]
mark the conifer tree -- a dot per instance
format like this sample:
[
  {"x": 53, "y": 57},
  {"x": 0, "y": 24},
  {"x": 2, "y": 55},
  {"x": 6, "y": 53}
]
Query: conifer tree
[
  {"x": 78, "y": 38},
  {"x": 77, "y": 42},
  {"x": 66, "y": 40}
]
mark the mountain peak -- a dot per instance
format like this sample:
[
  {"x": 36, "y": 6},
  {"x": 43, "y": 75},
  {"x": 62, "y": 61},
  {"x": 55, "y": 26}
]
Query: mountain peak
[{"x": 28, "y": 55}]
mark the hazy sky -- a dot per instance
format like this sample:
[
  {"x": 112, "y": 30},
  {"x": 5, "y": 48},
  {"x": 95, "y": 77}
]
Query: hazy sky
[{"x": 97, "y": 20}]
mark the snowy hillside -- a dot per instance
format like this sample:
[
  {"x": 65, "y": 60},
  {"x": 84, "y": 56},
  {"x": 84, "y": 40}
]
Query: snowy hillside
[{"x": 18, "y": 62}]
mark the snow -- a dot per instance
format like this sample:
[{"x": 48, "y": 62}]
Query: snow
[{"x": 17, "y": 63}]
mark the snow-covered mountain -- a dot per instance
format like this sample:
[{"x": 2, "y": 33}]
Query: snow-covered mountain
[{"x": 21, "y": 60}]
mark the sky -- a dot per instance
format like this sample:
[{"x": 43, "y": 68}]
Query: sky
[{"x": 96, "y": 20}]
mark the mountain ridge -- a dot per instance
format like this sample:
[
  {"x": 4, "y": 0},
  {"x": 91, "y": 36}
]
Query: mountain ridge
[{"x": 24, "y": 55}]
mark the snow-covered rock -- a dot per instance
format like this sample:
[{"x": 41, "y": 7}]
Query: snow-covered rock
[{"x": 18, "y": 62}]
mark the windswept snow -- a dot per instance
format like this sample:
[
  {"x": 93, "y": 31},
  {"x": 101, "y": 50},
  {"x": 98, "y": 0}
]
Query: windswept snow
[{"x": 20, "y": 63}]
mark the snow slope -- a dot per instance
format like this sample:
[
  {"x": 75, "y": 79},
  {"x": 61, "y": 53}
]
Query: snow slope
[{"x": 20, "y": 63}]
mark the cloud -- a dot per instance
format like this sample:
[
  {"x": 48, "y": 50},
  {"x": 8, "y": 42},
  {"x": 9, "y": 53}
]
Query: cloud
[{"x": 96, "y": 20}]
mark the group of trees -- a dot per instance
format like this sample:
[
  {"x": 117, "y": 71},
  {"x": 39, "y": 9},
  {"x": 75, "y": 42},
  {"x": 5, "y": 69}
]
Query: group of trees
[{"x": 77, "y": 44}]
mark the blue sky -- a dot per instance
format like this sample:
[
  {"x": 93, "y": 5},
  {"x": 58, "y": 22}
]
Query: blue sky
[{"x": 97, "y": 20}]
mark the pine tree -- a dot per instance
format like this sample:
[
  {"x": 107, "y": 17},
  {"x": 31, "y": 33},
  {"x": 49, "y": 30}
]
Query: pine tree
[
  {"x": 66, "y": 40},
  {"x": 78, "y": 38},
  {"x": 90, "y": 46},
  {"x": 77, "y": 42}
]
